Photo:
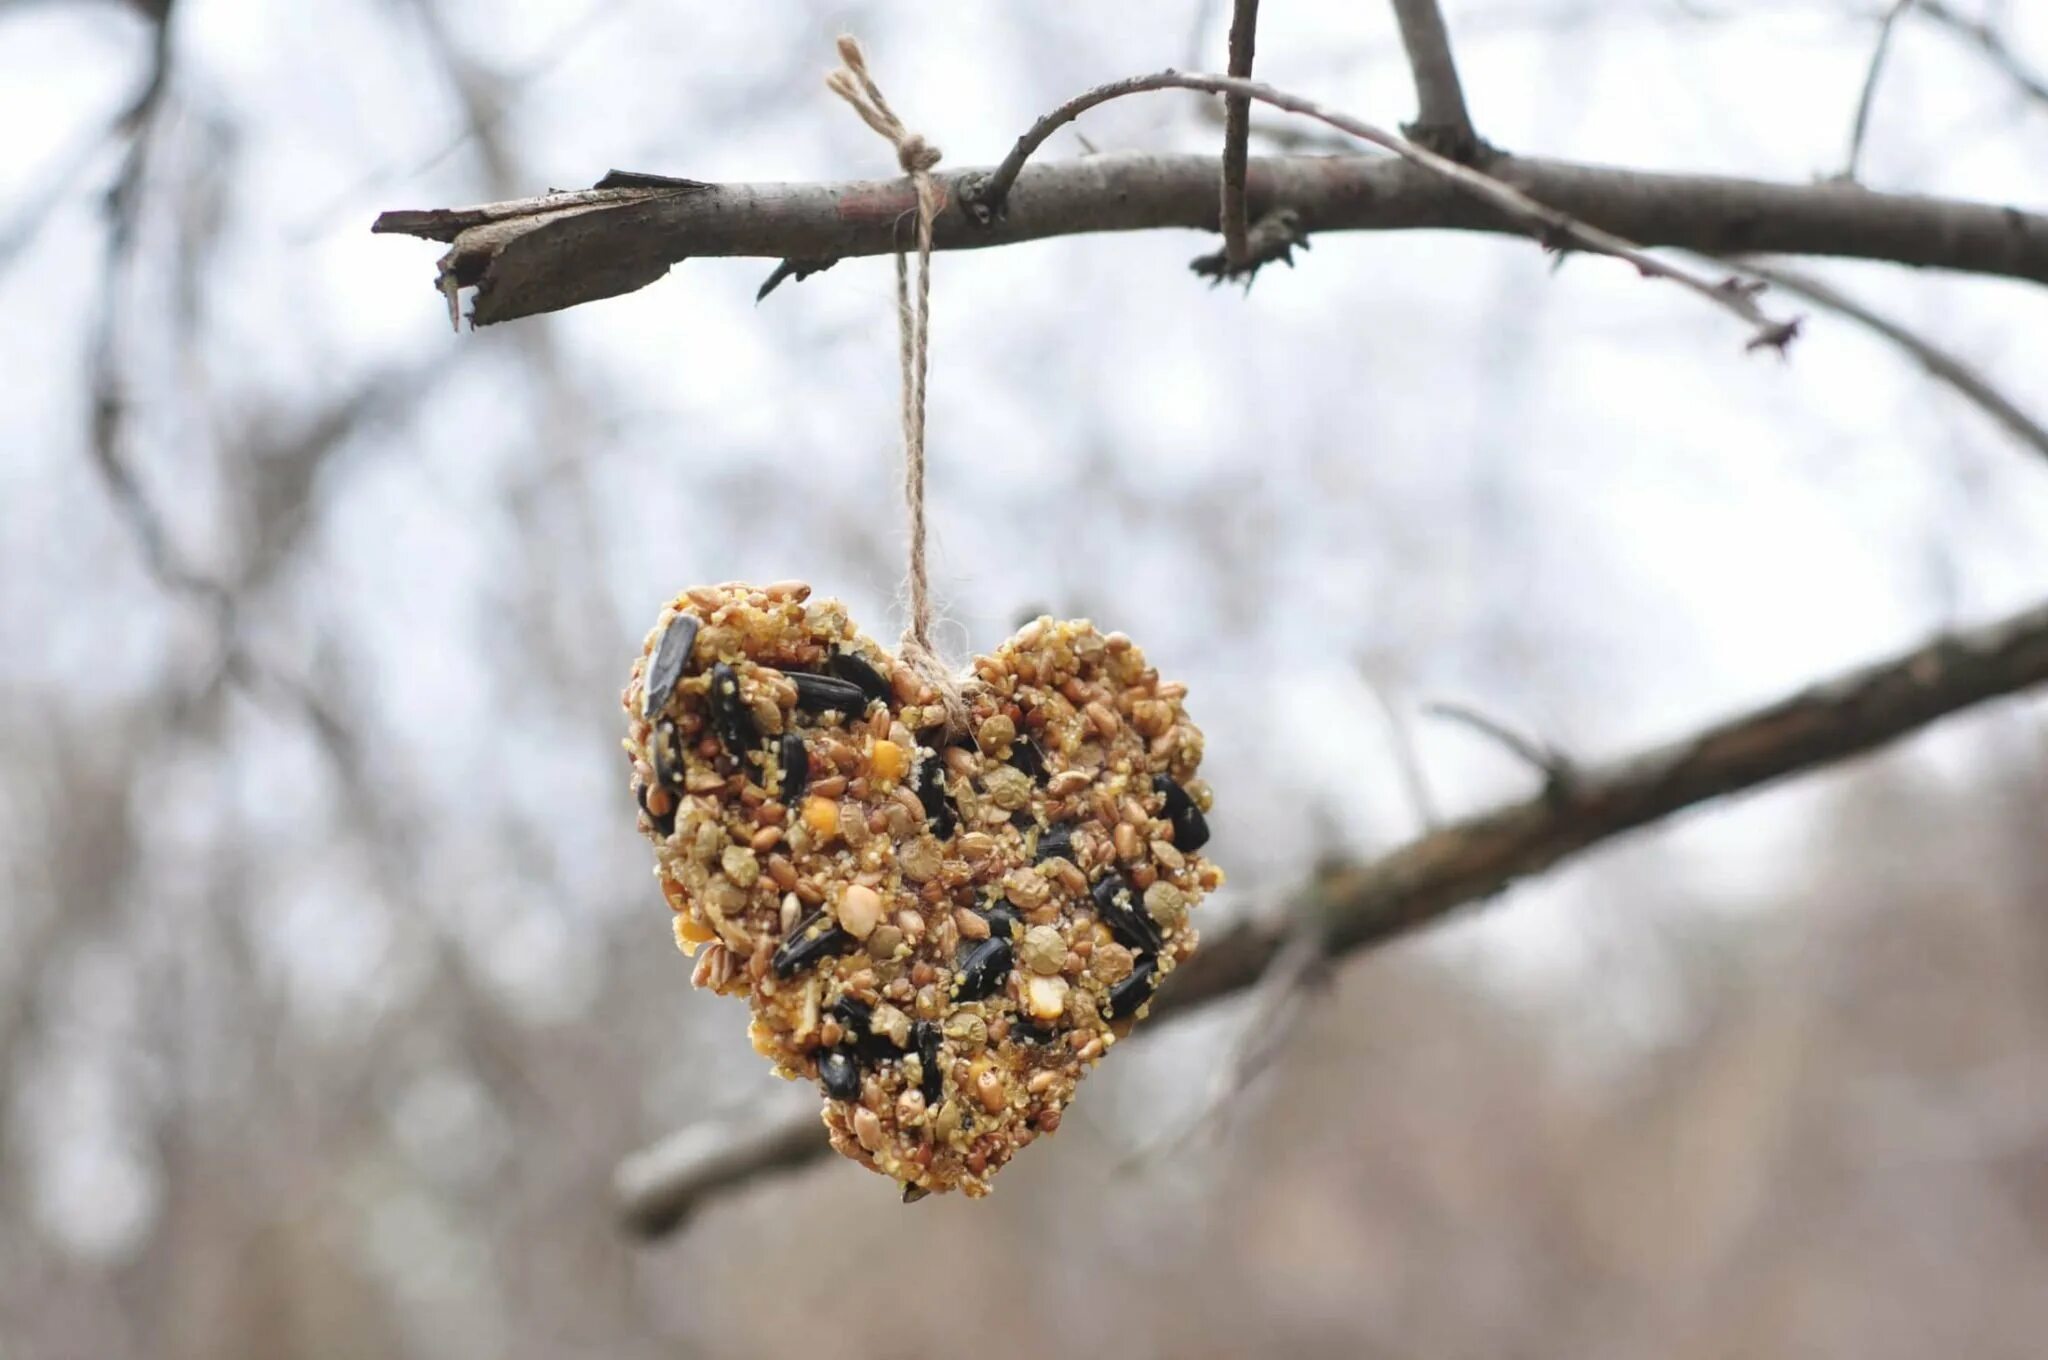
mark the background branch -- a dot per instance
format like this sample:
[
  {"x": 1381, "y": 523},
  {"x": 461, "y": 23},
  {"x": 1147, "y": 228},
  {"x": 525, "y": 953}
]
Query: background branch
[
  {"x": 1237, "y": 130},
  {"x": 1475, "y": 858},
  {"x": 1441, "y": 121},
  {"x": 1870, "y": 77},
  {"x": 1944, "y": 366}
]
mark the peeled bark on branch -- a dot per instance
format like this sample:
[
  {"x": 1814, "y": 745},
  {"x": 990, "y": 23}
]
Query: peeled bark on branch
[
  {"x": 558, "y": 250},
  {"x": 1467, "y": 861}
]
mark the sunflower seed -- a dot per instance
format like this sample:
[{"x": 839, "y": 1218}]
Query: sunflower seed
[
  {"x": 931, "y": 792},
  {"x": 822, "y": 694},
  {"x": 667, "y": 748},
  {"x": 671, "y": 659},
  {"x": 665, "y": 824},
  {"x": 1003, "y": 922},
  {"x": 850, "y": 666},
  {"x": 983, "y": 969},
  {"x": 729, "y": 716},
  {"x": 1190, "y": 827},
  {"x": 816, "y": 937},
  {"x": 1112, "y": 894},
  {"x": 1056, "y": 840},
  {"x": 1135, "y": 990},
  {"x": 796, "y": 767},
  {"x": 932, "y": 1079},
  {"x": 839, "y": 1074},
  {"x": 1026, "y": 756}
]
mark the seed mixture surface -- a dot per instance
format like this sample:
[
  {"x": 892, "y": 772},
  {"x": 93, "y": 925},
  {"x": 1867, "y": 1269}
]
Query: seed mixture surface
[{"x": 944, "y": 932}]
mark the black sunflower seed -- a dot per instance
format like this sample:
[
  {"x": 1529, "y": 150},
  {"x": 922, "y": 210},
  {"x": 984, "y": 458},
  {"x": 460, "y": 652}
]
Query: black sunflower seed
[
  {"x": 1135, "y": 990},
  {"x": 822, "y": 693},
  {"x": 729, "y": 715},
  {"x": 858, "y": 1017},
  {"x": 851, "y": 667},
  {"x": 796, "y": 767},
  {"x": 983, "y": 969},
  {"x": 668, "y": 756},
  {"x": 1003, "y": 921},
  {"x": 1126, "y": 920},
  {"x": 1190, "y": 827},
  {"x": 932, "y": 1081},
  {"x": 663, "y": 825},
  {"x": 839, "y": 1074},
  {"x": 1025, "y": 755},
  {"x": 1029, "y": 1031},
  {"x": 1056, "y": 840},
  {"x": 671, "y": 659},
  {"x": 816, "y": 937},
  {"x": 931, "y": 791}
]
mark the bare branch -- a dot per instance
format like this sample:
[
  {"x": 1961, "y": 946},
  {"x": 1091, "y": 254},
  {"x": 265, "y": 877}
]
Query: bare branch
[
  {"x": 559, "y": 250},
  {"x": 1545, "y": 759},
  {"x": 1993, "y": 45},
  {"x": 1441, "y": 121},
  {"x": 1863, "y": 101},
  {"x": 1555, "y": 229},
  {"x": 1237, "y": 131},
  {"x": 1467, "y": 861},
  {"x": 1942, "y": 365}
]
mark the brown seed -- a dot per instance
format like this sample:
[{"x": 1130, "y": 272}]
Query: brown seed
[
  {"x": 911, "y": 924},
  {"x": 995, "y": 735},
  {"x": 867, "y": 1127},
  {"x": 909, "y": 1109},
  {"x": 782, "y": 871},
  {"x": 972, "y": 924},
  {"x": 1142, "y": 876},
  {"x": 883, "y": 944},
  {"x": 988, "y": 1089},
  {"x": 893, "y": 1024},
  {"x": 1126, "y": 839},
  {"x": 1068, "y": 782},
  {"x": 766, "y": 839},
  {"x": 797, "y": 591},
  {"x": 1167, "y": 855},
  {"x": 829, "y": 787},
  {"x": 919, "y": 859},
  {"x": 770, "y": 813},
  {"x": 1048, "y": 1121},
  {"x": 1071, "y": 878},
  {"x": 1041, "y": 1081},
  {"x": 1027, "y": 888},
  {"x": 808, "y": 892},
  {"x": 977, "y": 845},
  {"x": 960, "y": 762}
]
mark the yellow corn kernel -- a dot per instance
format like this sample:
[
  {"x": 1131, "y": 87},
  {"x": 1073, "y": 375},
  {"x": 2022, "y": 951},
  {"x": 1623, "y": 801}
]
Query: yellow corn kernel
[
  {"x": 821, "y": 815},
  {"x": 887, "y": 761},
  {"x": 689, "y": 934}
]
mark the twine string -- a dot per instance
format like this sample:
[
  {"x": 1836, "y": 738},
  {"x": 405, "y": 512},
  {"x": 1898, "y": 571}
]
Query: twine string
[{"x": 853, "y": 83}]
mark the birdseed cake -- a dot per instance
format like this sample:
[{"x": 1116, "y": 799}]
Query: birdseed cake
[{"x": 944, "y": 931}]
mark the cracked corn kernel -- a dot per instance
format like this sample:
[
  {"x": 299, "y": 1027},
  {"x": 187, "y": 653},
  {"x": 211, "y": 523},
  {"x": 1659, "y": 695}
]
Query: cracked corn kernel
[{"x": 930, "y": 947}]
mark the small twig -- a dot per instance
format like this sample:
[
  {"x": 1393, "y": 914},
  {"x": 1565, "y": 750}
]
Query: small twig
[
  {"x": 1276, "y": 1005},
  {"x": 1942, "y": 365},
  {"x": 1993, "y": 45},
  {"x": 1556, "y": 230},
  {"x": 1237, "y": 127},
  {"x": 794, "y": 270},
  {"x": 1555, "y": 767},
  {"x": 1273, "y": 238},
  {"x": 1414, "y": 780},
  {"x": 1870, "y": 77},
  {"x": 1442, "y": 122}
]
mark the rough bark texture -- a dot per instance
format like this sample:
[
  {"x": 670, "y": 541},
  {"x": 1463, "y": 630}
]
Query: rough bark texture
[
  {"x": 1474, "y": 859},
  {"x": 543, "y": 254}
]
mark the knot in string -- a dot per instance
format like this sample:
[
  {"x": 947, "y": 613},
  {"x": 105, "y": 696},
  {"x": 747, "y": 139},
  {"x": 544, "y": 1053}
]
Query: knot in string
[{"x": 917, "y": 157}]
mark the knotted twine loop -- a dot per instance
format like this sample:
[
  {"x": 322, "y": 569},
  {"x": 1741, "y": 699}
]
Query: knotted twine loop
[{"x": 852, "y": 83}]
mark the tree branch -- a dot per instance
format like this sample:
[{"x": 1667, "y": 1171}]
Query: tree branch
[
  {"x": 560, "y": 250},
  {"x": 1942, "y": 365},
  {"x": 1473, "y": 859},
  {"x": 1441, "y": 121},
  {"x": 1237, "y": 133},
  {"x": 1878, "y": 53}
]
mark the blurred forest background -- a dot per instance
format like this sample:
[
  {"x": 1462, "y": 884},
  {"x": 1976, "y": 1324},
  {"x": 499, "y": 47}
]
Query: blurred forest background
[{"x": 332, "y": 977}]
